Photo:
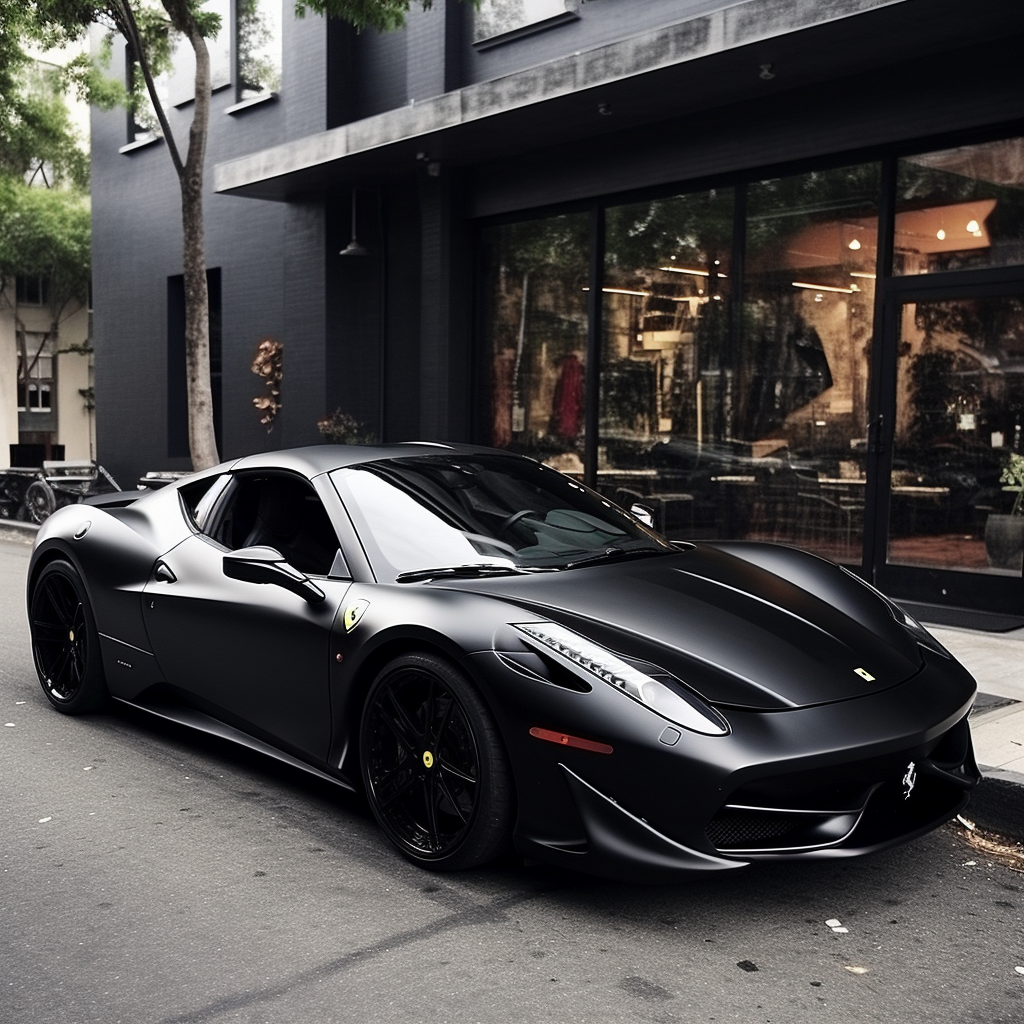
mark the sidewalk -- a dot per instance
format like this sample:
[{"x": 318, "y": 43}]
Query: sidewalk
[{"x": 996, "y": 660}]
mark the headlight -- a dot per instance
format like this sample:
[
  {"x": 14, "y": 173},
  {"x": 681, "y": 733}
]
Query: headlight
[{"x": 589, "y": 659}]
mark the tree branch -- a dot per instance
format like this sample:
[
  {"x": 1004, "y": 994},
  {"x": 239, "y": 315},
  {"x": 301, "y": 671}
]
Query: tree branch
[{"x": 124, "y": 16}]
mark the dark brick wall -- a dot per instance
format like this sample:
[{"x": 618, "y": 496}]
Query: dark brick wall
[
  {"x": 271, "y": 260},
  {"x": 281, "y": 274}
]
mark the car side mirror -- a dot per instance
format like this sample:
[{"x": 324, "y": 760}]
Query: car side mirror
[{"x": 263, "y": 564}]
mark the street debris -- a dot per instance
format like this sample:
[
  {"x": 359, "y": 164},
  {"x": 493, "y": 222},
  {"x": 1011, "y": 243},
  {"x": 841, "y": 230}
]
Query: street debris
[
  {"x": 43, "y": 821},
  {"x": 837, "y": 926},
  {"x": 9, "y": 725},
  {"x": 1019, "y": 970},
  {"x": 855, "y": 970},
  {"x": 998, "y": 848},
  {"x": 748, "y": 965}
]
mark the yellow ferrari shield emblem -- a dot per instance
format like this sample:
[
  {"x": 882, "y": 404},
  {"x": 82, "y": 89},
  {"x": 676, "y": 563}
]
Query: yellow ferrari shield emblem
[{"x": 353, "y": 613}]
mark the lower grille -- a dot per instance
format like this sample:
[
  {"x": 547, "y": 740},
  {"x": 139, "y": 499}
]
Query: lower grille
[
  {"x": 738, "y": 828},
  {"x": 771, "y": 830}
]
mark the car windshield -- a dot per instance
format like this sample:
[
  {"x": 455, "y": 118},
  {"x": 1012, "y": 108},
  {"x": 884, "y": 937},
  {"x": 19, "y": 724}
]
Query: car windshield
[{"x": 495, "y": 511}]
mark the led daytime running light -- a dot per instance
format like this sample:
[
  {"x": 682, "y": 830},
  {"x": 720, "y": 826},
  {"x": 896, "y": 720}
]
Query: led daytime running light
[{"x": 584, "y": 656}]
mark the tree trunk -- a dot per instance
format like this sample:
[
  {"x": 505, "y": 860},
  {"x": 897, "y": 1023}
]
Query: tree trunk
[{"x": 201, "y": 438}]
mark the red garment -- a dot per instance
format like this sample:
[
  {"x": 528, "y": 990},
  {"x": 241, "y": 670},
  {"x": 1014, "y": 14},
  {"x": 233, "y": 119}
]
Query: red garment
[{"x": 568, "y": 400}]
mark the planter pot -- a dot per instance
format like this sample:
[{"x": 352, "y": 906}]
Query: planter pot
[{"x": 1004, "y": 541}]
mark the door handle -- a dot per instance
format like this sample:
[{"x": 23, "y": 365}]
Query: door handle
[{"x": 163, "y": 573}]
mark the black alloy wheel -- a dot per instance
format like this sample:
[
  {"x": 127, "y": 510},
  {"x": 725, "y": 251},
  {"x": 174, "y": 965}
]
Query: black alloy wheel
[
  {"x": 65, "y": 644},
  {"x": 434, "y": 766}
]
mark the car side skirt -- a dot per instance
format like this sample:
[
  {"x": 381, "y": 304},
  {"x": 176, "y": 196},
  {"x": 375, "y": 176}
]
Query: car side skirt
[{"x": 193, "y": 719}]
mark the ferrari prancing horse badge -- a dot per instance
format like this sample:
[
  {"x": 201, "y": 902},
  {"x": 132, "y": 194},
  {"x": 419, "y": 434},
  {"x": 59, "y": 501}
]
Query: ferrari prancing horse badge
[{"x": 353, "y": 613}]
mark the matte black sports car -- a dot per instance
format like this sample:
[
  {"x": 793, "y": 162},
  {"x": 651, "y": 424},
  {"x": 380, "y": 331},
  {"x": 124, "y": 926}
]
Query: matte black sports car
[{"x": 498, "y": 655}]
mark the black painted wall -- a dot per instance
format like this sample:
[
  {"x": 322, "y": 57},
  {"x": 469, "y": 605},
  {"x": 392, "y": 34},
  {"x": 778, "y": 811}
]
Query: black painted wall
[
  {"x": 271, "y": 258},
  {"x": 388, "y": 336}
]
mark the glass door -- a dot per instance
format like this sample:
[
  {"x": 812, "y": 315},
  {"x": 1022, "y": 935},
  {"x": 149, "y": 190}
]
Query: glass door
[{"x": 948, "y": 484}]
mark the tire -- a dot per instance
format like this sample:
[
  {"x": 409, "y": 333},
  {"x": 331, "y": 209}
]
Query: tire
[
  {"x": 65, "y": 644},
  {"x": 40, "y": 502},
  {"x": 434, "y": 767}
]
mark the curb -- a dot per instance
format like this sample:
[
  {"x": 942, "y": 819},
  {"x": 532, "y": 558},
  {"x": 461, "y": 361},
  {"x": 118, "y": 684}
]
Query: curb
[
  {"x": 997, "y": 803},
  {"x": 14, "y": 529}
]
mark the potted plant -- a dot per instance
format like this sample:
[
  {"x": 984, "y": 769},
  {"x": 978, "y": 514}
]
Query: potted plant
[
  {"x": 342, "y": 428},
  {"x": 1004, "y": 534}
]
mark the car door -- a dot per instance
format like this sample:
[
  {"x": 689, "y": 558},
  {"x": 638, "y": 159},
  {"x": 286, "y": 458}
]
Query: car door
[{"x": 253, "y": 654}]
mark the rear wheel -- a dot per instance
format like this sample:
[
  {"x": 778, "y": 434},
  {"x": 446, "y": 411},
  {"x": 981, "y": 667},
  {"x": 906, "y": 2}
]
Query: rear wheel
[
  {"x": 65, "y": 644},
  {"x": 434, "y": 767}
]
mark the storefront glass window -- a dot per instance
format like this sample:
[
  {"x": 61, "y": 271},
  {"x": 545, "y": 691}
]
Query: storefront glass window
[
  {"x": 961, "y": 208},
  {"x": 535, "y": 321},
  {"x": 735, "y": 404},
  {"x": 665, "y": 341},
  {"x": 959, "y": 417},
  {"x": 802, "y": 371}
]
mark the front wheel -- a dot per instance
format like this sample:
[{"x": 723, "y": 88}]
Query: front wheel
[
  {"x": 434, "y": 767},
  {"x": 65, "y": 644}
]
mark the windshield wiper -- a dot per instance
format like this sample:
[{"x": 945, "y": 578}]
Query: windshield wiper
[
  {"x": 611, "y": 554},
  {"x": 459, "y": 572}
]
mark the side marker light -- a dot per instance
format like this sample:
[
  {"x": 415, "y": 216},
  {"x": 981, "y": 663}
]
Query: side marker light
[{"x": 565, "y": 740}]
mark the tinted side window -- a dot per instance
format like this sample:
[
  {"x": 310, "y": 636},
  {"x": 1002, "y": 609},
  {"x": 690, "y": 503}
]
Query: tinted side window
[
  {"x": 281, "y": 512},
  {"x": 200, "y": 497}
]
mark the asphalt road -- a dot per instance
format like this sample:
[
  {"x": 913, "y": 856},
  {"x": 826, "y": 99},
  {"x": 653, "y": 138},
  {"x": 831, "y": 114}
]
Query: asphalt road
[{"x": 149, "y": 875}]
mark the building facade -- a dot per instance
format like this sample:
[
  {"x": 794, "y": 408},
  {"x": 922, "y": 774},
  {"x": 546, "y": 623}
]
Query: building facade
[
  {"x": 46, "y": 386},
  {"x": 758, "y": 266}
]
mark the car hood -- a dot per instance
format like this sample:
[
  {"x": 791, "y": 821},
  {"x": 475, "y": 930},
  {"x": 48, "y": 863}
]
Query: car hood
[{"x": 799, "y": 633}]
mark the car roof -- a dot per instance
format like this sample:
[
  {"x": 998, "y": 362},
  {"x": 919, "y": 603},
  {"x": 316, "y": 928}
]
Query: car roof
[{"x": 323, "y": 458}]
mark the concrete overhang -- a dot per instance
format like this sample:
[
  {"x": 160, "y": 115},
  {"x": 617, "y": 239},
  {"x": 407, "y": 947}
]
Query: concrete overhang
[{"x": 744, "y": 51}]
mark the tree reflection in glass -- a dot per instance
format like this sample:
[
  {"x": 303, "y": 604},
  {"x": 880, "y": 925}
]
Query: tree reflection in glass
[
  {"x": 258, "y": 42},
  {"x": 535, "y": 319}
]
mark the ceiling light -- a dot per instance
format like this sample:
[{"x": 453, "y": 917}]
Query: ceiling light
[
  {"x": 973, "y": 226},
  {"x": 940, "y": 235},
  {"x": 354, "y": 248},
  {"x": 689, "y": 270},
  {"x": 855, "y": 244},
  {"x": 822, "y": 287},
  {"x": 622, "y": 291}
]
